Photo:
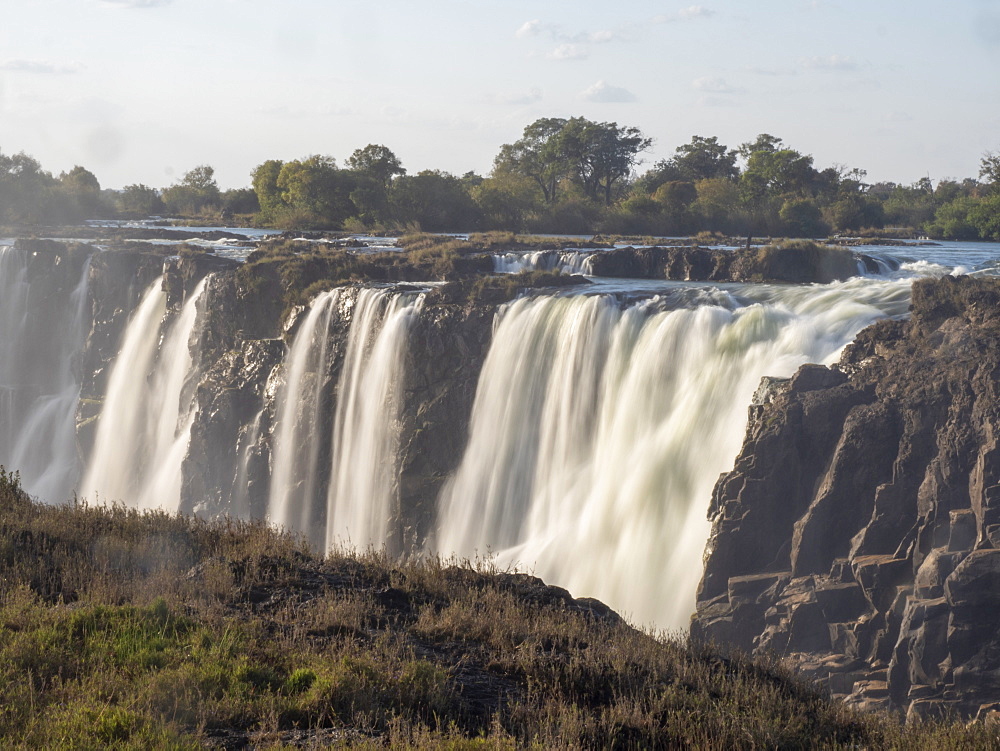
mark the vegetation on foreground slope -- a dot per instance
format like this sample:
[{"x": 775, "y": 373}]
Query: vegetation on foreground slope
[{"x": 128, "y": 630}]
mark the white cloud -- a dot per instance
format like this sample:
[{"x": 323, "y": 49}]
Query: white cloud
[
  {"x": 43, "y": 67},
  {"x": 714, "y": 85},
  {"x": 605, "y": 93},
  {"x": 568, "y": 52},
  {"x": 602, "y": 37},
  {"x": 529, "y": 29},
  {"x": 830, "y": 62},
  {"x": 691, "y": 13}
]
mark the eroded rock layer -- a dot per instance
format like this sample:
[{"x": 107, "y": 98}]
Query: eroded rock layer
[{"x": 859, "y": 531}]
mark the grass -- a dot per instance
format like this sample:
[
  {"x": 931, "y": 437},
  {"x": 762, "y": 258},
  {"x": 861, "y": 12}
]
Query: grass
[{"x": 135, "y": 631}]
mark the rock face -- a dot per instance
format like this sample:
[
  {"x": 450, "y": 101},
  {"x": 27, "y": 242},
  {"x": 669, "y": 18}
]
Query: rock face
[
  {"x": 859, "y": 531},
  {"x": 228, "y": 466},
  {"x": 799, "y": 262},
  {"x": 241, "y": 346}
]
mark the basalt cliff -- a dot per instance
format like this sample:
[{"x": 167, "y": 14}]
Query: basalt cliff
[{"x": 858, "y": 534}]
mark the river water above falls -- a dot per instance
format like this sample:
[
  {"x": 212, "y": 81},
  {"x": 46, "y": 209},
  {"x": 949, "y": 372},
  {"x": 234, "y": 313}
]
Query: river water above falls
[{"x": 593, "y": 426}]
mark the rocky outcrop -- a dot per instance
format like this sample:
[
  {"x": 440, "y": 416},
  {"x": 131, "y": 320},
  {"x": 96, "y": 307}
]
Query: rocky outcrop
[
  {"x": 238, "y": 397},
  {"x": 858, "y": 533},
  {"x": 795, "y": 261}
]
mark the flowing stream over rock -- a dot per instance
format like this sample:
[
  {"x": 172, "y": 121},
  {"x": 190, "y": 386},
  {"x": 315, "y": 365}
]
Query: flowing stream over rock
[
  {"x": 577, "y": 433},
  {"x": 598, "y": 431},
  {"x": 355, "y": 501},
  {"x": 41, "y": 334},
  {"x": 146, "y": 421}
]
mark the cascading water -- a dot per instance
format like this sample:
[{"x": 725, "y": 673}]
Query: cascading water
[
  {"x": 564, "y": 261},
  {"x": 356, "y": 502},
  {"x": 363, "y": 493},
  {"x": 241, "y": 484},
  {"x": 41, "y": 331},
  {"x": 145, "y": 423},
  {"x": 297, "y": 437},
  {"x": 598, "y": 433}
]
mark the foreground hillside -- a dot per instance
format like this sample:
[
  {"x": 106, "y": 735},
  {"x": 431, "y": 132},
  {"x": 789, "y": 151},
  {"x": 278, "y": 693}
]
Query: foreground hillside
[{"x": 148, "y": 631}]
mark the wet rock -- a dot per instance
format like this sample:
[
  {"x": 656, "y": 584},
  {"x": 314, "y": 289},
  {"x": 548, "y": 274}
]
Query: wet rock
[{"x": 798, "y": 262}]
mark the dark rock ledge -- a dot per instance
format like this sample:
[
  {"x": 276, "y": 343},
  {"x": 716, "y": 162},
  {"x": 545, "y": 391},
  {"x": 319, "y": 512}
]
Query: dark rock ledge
[{"x": 859, "y": 531}]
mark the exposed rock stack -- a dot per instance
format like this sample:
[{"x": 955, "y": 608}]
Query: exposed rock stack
[
  {"x": 795, "y": 262},
  {"x": 859, "y": 531}
]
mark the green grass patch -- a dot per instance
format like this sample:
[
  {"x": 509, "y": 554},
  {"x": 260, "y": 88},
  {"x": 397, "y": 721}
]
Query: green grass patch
[{"x": 134, "y": 631}]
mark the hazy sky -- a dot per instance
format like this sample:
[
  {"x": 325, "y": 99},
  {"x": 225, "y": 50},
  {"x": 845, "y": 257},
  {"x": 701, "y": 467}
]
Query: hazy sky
[{"x": 143, "y": 90}]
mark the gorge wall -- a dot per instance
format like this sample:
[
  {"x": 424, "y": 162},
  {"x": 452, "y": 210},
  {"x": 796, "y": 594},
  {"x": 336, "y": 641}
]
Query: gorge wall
[
  {"x": 336, "y": 393},
  {"x": 859, "y": 531}
]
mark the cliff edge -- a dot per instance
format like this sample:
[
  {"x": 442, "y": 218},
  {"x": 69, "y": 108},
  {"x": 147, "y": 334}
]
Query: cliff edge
[{"x": 859, "y": 531}]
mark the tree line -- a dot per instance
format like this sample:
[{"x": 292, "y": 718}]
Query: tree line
[{"x": 567, "y": 176}]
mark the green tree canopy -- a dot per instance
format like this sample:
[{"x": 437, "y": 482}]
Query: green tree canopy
[
  {"x": 265, "y": 185},
  {"x": 434, "y": 200},
  {"x": 140, "y": 199},
  {"x": 537, "y": 155},
  {"x": 989, "y": 170},
  {"x": 196, "y": 192},
  {"x": 705, "y": 159},
  {"x": 24, "y": 189},
  {"x": 376, "y": 161},
  {"x": 601, "y": 155}
]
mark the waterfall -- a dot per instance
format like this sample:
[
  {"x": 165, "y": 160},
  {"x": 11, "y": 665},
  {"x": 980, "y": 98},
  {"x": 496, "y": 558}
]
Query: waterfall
[
  {"x": 598, "y": 432},
  {"x": 358, "y": 498},
  {"x": 43, "y": 328},
  {"x": 565, "y": 261},
  {"x": 364, "y": 491},
  {"x": 241, "y": 503},
  {"x": 297, "y": 437},
  {"x": 145, "y": 422}
]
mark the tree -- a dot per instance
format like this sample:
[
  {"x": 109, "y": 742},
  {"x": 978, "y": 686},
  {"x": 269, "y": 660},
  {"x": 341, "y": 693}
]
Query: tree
[
  {"x": 955, "y": 220},
  {"x": 537, "y": 156},
  {"x": 81, "y": 192},
  {"x": 239, "y": 201},
  {"x": 265, "y": 184},
  {"x": 506, "y": 200},
  {"x": 314, "y": 192},
  {"x": 376, "y": 161},
  {"x": 989, "y": 169},
  {"x": 802, "y": 218},
  {"x": 436, "y": 201},
  {"x": 718, "y": 204},
  {"x": 24, "y": 189},
  {"x": 600, "y": 154},
  {"x": 985, "y": 217},
  {"x": 196, "y": 192},
  {"x": 705, "y": 159},
  {"x": 773, "y": 174},
  {"x": 140, "y": 199},
  {"x": 764, "y": 142},
  {"x": 375, "y": 167}
]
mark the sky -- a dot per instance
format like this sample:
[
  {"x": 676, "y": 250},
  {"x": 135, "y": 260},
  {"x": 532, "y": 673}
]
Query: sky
[{"x": 140, "y": 91}]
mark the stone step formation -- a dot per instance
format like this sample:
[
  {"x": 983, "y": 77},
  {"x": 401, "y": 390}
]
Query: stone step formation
[{"x": 858, "y": 534}]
